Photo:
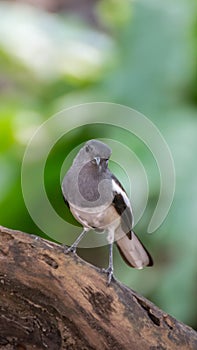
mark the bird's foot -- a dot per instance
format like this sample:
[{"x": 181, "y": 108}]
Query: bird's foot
[
  {"x": 71, "y": 249},
  {"x": 109, "y": 272}
]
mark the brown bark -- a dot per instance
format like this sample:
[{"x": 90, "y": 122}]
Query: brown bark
[{"x": 49, "y": 300}]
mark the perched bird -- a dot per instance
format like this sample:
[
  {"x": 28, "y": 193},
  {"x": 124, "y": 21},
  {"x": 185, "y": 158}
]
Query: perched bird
[{"x": 98, "y": 201}]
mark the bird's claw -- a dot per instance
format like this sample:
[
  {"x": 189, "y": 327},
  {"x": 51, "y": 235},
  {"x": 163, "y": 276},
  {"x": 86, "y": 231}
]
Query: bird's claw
[
  {"x": 70, "y": 250},
  {"x": 109, "y": 272}
]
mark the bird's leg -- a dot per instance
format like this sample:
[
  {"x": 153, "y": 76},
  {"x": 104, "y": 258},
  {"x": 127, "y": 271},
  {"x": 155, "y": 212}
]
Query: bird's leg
[
  {"x": 73, "y": 247},
  {"x": 110, "y": 269}
]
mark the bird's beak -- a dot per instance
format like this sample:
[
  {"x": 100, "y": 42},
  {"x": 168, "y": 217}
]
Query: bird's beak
[
  {"x": 98, "y": 163},
  {"x": 98, "y": 160}
]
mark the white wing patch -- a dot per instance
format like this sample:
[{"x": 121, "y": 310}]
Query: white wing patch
[{"x": 119, "y": 190}]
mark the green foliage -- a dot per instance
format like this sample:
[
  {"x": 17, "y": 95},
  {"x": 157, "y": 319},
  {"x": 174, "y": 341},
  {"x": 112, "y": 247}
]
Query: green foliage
[{"x": 146, "y": 61}]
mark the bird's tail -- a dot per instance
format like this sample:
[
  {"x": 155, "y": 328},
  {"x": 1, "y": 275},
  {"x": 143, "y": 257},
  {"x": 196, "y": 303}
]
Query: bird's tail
[{"x": 133, "y": 251}]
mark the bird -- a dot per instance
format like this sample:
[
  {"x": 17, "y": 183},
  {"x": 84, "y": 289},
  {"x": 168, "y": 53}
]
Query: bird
[{"x": 98, "y": 201}]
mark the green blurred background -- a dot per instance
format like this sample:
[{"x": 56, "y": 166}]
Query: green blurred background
[{"x": 142, "y": 54}]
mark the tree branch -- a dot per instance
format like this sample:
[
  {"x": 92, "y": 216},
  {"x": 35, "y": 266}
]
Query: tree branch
[{"x": 49, "y": 300}]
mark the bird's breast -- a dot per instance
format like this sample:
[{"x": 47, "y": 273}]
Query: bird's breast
[{"x": 101, "y": 217}]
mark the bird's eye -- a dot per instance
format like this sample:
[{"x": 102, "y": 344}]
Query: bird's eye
[
  {"x": 105, "y": 161},
  {"x": 87, "y": 149}
]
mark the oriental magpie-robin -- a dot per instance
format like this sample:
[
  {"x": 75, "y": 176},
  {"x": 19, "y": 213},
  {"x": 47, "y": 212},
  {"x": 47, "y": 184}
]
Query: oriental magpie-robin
[{"x": 98, "y": 201}]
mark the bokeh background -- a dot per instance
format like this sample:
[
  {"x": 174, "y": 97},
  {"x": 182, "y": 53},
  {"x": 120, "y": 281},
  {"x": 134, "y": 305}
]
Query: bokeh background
[{"x": 143, "y": 54}]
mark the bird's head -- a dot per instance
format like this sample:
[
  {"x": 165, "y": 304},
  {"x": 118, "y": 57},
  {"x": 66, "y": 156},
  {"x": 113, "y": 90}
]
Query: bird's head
[{"x": 96, "y": 153}]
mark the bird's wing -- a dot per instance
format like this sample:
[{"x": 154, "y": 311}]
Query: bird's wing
[
  {"x": 65, "y": 201},
  {"x": 122, "y": 205},
  {"x": 64, "y": 195},
  {"x": 130, "y": 247}
]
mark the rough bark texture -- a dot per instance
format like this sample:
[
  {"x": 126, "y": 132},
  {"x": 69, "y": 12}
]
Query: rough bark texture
[{"x": 49, "y": 300}]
